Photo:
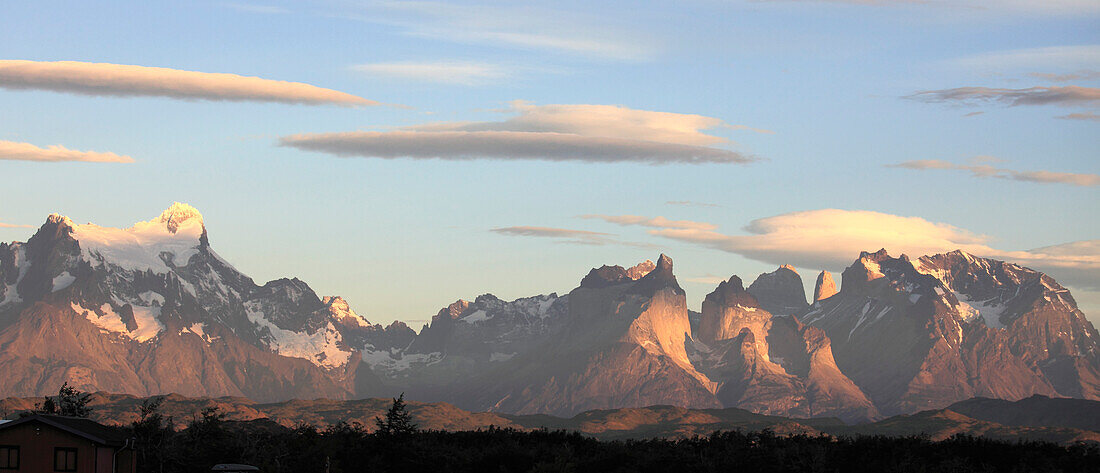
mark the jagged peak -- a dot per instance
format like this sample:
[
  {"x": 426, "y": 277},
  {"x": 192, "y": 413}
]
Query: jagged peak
[
  {"x": 788, "y": 268},
  {"x": 661, "y": 277},
  {"x": 664, "y": 263},
  {"x": 639, "y": 270},
  {"x": 56, "y": 218},
  {"x": 177, "y": 214}
]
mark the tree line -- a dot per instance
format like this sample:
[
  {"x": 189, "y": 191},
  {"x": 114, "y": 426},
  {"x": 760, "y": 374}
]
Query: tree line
[{"x": 397, "y": 444}]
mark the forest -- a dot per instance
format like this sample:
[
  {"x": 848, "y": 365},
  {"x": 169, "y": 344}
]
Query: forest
[{"x": 396, "y": 444}]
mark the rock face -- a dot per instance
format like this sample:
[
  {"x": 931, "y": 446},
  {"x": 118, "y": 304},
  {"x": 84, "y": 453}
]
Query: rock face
[
  {"x": 153, "y": 309},
  {"x": 825, "y": 287},
  {"x": 951, "y": 327},
  {"x": 771, "y": 365},
  {"x": 780, "y": 292}
]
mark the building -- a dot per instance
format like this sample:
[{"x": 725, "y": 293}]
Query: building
[{"x": 47, "y": 443}]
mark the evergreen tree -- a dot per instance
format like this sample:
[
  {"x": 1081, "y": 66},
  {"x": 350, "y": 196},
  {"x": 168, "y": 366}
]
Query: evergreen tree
[
  {"x": 69, "y": 402},
  {"x": 398, "y": 420}
]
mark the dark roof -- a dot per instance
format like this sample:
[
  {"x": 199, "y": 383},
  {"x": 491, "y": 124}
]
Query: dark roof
[{"x": 86, "y": 428}]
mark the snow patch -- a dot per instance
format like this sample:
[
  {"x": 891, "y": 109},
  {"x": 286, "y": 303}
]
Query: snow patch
[
  {"x": 394, "y": 363},
  {"x": 148, "y": 326},
  {"x": 989, "y": 311},
  {"x": 62, "y": 281},
  {"x": 477, "y": 316},
  {"x": 495, "y": 356},
  {"x": 321, "y": 348}
]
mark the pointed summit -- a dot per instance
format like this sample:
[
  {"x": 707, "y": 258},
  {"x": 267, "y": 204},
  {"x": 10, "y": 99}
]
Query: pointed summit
[
  {"x": 825, "y": 287},
  {"x": 661, "y": 277},
  {"x": 780, "y": 291}
]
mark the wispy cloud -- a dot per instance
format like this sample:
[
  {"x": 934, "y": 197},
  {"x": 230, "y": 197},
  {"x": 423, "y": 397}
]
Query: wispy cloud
[
  {"x": 1086, "y": 116},
  {"x": 12, "y": 225},
  {"x": 518, "y": 26},
  {"x": 443, "y": 72},
  {"x": 981, "y": 7},
  {"x": 587, "y": 133},
  {"x": 977, "y": 168},
  {"x": 1067, "y": 77},
  {"x": 1070, "y": 95},
  {"x": 15, "y": 151},
  {"x": 831, "y": 238},
  {"x": 1074, "y": 60},
  {"x": 708, "y": 279},
  {"x": 569, "y": 236},
  {"x": 102, "y": 79},
  {"x": 653, "y": 222},
  {"x": 690, "y": 203},
  {"x": 256, "y": 8}
]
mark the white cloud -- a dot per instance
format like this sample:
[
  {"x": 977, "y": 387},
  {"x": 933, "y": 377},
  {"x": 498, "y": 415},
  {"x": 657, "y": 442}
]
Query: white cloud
[
  {"x": 12, "y": 225},
  {"x": 104, "y": 79},
  {"x": 11, "y": 150},
  {"x": 832, "y": 238},
  {"x": 444, "y": 72},
  {"x": 592, "y": 133},
  {"x": 607, "y": 121},
  {"x": 978, "y": 169}
]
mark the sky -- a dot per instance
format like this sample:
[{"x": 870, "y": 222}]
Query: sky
[{"x": 405, "y": 155}]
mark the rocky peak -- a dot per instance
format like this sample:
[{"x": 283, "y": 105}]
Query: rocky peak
[
  {"x": 605, "y": 276},
  {"x": 641, "y": 269},
  {"x": 452, "y": 311},
  {"x": 825, "y": 287},
  {"x": 863, "y": 270},
  {"x": 661, "y": 277},
  {"x": 780, "y": 291},
  {"x": 732, "y": 292}
]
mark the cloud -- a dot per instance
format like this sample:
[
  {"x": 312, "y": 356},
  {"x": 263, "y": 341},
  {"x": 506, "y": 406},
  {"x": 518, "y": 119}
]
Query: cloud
[
  {"x": 977, "y": 169},
  {"x": 983, "y": 7},
  {"x": 709, "y": 279},
  {"x": 973, "y": 114},
  {"x": 588, "y": 133},
  {"x": 1086, "y": 116},
  {"x": 607, "y": 121},
  {"x": 250, "y": 8},
  {"x": 832, "y": 238},
  {"x": 11, "y": 150},
  {"x": 443, "y": 72},
  {"x": 12, "y": 225},
  {"x": 101, "y": 79},
  {"x": 689, "y": 203},
  {"x": 654, "y": 222},
  {"x": 1069, "y": 95},
  {"x": 564, "y": 235},
  {"x": 1072, "y": 76},
  {"x": 1081, "y": 58},
  {"x": 522, "y": 26},
  {"x": 507, "y": 145}
]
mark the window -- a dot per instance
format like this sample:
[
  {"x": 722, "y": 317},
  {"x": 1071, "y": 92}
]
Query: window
[
  {"x": 9, "y": 457},
  {"x": 64, "y": 459}
]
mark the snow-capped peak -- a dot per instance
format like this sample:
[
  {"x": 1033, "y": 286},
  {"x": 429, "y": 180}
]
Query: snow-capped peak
[
  {"x": 173, "y": 236},
  {"x": 178, "y": 214}
]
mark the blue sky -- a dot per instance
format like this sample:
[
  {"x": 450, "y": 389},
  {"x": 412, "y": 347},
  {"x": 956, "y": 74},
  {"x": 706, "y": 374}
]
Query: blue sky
[{"x": 827, "y": 95}]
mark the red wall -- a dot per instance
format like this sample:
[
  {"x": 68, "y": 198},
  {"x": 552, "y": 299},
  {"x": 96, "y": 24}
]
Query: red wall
[{"x": 36, "y": 442}]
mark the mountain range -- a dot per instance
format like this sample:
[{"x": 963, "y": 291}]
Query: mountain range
[{"x": 152, "y": 309}]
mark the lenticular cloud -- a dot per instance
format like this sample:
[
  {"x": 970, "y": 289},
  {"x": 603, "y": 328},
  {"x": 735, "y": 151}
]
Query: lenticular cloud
[{"x": 89, "y": 78}]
